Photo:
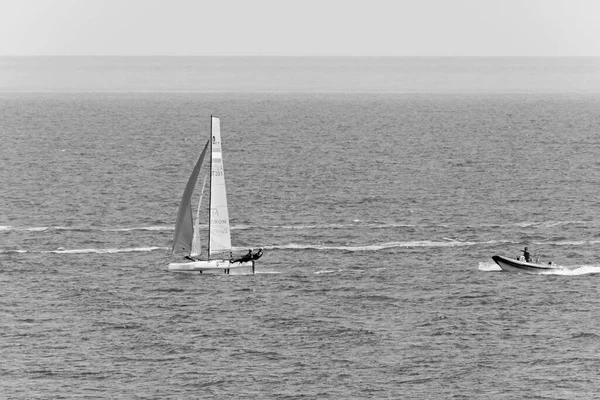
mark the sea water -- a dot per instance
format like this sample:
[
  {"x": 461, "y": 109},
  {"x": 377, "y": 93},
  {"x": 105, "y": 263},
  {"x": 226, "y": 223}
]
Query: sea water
[{"x": 378, "y": 210}]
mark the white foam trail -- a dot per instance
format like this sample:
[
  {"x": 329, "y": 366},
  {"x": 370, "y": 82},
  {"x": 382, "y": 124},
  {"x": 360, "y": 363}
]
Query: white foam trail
[
  {"x": 333, "y": 226},
  {"x": 243, "y": 272},
  {"x": 377, "y": 247},
  {"x": 302, "y": 227},
  {"x": 34, "y": 229},
  {"x": 242, "y": 227},
  {"x": 37, "y": 228},
  {"x": 327, "y": 272},
  {"x": 569, "y": 243},
  {"x": 142, "y": 228},
  {"x": 578, "y": 270},
  {"x": 103, "y": 251},
  {"x": 550, "y": 224},
  {"x": 86, "y": 228},
  {"x": 12, "y": 251}
]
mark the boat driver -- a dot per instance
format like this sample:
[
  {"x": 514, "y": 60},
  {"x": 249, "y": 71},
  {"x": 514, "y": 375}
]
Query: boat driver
[{"x": 526, "y": 255}]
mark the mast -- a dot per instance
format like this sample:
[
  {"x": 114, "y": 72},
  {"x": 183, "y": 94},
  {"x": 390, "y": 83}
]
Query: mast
[
  {"x": 196, "y": 248},
  {"x": 210, "y": 139}
]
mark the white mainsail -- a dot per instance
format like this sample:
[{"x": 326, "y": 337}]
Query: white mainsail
[
  {"x": 184, "y": 232},
  {"x": 219, "y": 233},
  {"x": 196, "y": 247}
]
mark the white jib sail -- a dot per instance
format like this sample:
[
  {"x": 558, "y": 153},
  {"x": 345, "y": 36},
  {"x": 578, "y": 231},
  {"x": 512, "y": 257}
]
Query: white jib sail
[
  {"x": 219, "y": 235},
  {"x": 196, "y": 248}
]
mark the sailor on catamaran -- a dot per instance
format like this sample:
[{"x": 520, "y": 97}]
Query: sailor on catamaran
[
  {"x": 258, "y": 254},
  {"x": 249, "y": 256},
  {"x": 245, "y": 258}
]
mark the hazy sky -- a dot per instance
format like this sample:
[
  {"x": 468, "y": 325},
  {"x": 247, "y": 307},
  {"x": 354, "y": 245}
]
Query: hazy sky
[{"x": 301, "y": 27}]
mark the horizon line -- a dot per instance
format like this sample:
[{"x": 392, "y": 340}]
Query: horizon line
[{"x": 288, "y": 56}]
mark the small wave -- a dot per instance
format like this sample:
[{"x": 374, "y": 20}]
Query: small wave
[
  {"x": 327, "y": 271},
  {"x": 30, "y": 229},
  {"x": 12, "y": 251},
  {"x": 585, "y": 335},
  {"x": 447, "y": 242},
  {"x": 551, "y": 224},
  {"x": 552, "y": 242},
  {"x": 42, "y": 228},
  {"x": 298, "y": 227},
  {"x": 106, "y": 251},
  {"x": 242, "y": 227},
  {"x": 86, "y": 228},
  {"x": 142, "y": 228},
  {"x": 570, "y": 242},
  {"x": 326, "y": 226},
  {"x": 355, "y": 224},
  {"x": 61, "y": 250}
]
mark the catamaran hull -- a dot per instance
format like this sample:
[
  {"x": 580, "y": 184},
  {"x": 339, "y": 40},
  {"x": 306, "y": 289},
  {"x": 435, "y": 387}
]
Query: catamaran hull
[
  {"x": 510, "y": 265},
  {"x": 210, "y": 265}
]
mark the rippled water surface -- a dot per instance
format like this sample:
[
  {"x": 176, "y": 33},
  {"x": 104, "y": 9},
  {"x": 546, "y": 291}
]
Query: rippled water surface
[{"x": 379, "y": 214}]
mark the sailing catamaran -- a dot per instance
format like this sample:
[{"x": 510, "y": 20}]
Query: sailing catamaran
[{"x": 186, "y": 237}]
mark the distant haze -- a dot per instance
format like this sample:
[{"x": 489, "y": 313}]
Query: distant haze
[
  {"x": 300, "y": 28},
  {"x": 209, "y": 74}
]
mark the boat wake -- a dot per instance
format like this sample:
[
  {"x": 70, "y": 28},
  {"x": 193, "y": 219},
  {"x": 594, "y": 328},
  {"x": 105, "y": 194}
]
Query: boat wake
[
  {"x": 578, "y": 270},
  {"x": 381, "y": 246}
]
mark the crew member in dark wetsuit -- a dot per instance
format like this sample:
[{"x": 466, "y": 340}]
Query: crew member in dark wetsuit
[
  {"x": 526, "y": 255},
  {"x": 245, "y": 258},
  {"x": 258, "y": 254}
]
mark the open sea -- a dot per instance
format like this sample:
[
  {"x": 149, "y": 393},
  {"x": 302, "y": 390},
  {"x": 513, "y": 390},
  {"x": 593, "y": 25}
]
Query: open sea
[{"x": 380, "y": 188}]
